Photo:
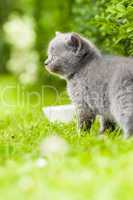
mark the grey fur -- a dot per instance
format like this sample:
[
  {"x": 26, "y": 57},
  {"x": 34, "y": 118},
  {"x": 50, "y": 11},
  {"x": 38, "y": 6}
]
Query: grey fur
[{"x": 97, "y": 84}]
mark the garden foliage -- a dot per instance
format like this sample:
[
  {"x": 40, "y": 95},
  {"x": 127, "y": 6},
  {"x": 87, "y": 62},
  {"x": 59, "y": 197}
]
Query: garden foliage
[{"x": 107, "y": 22}]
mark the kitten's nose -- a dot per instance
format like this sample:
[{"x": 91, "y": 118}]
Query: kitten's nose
[{"x": 46, "y": 62}]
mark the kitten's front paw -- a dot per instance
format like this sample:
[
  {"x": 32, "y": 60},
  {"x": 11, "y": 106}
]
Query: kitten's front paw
[
  {"x": 106, "y": 124},
  {"x": 128, "y": 134},
  {"x": 84, "y": 126},
  {"x": 101, "y": 131}
]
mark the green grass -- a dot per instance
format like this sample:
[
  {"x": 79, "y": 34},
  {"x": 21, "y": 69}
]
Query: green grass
[{"x": 94, "y": 168}]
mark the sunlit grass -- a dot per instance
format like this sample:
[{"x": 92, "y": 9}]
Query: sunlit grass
[{"x": 95, "y": 168}]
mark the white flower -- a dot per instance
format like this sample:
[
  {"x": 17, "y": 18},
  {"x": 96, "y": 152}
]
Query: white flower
[
  {"x": 23, "y": 60},
  {"x": 24, "y": 63},
  {"x": 41, "y": 162},
  {"x": 54, "y": 145},
  {"x": 19, "y": 32}
]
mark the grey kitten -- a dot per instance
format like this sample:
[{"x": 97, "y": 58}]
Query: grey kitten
[{"x": 97, "y": 84}]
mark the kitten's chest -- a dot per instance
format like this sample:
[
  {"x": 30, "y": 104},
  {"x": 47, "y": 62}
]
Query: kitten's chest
[{"x": 92, "y": 93}]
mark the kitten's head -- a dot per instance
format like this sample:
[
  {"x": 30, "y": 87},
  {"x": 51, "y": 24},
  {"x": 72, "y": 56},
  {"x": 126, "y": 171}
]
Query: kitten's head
[{"x": 67, "y": 53}]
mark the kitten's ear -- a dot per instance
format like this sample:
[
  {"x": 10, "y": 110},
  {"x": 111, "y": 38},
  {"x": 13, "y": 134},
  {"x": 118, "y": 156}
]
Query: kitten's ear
[
  {"x": 74, "y": 41},
  {"x": 57, "y": 33}
]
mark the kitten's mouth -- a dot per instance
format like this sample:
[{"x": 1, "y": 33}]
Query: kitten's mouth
[
  {"x": 52, "y": 69},
  {"x": 49, "y": 65}
]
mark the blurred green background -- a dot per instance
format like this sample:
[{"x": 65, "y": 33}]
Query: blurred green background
[{"x": 26, "y": 27}]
